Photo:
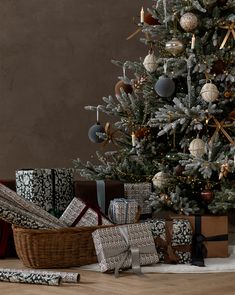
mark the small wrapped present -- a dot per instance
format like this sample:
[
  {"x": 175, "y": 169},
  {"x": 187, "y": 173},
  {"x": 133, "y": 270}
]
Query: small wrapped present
[
  {"x": 80, "y": 214},
  {"x": 210, "y": 237},
  {"x": 99, "y": 193},
  {"x": 125, "y": 246},
  {"x": 173, "y": 239},
  {"x": 51, "y": 189},
  {"x": 123, "y": 211},
  {"x": 141, "y": 192}
]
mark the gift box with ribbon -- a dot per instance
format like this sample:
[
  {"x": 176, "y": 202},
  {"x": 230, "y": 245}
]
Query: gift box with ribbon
[
  {"x": 99, "y": 193},
  {"x": 80, "y": 214},
  {"x": 141, "y": 193},
  {"x": 123, "y": 211},
  {"x": 51, "y": 189},
  {"x": 125, "y": 246},
  {"x": 173, "y": 240},
  {"x": 210, "y": 237}
]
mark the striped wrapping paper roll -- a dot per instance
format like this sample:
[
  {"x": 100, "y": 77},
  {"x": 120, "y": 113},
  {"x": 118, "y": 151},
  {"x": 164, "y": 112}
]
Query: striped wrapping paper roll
[{"x": 51, "y": 278}]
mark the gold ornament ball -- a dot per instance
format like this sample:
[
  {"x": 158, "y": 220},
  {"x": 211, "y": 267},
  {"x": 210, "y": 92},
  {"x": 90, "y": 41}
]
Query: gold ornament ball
[
  {"x": 189, "y": 22},
  {"x": 174, "y": 46}
]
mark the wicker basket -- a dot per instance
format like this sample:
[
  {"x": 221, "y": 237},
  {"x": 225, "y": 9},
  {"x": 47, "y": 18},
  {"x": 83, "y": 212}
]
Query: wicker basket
[{"x": 55, "y": 248}]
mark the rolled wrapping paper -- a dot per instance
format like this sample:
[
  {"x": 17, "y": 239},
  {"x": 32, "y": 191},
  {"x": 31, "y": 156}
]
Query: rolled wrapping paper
[
  {"x": 17, "y": 201},
  {"x": 30, "y": 278},
  {"x": 17, "y": 216},
  {"x": 64, "y": 277}
]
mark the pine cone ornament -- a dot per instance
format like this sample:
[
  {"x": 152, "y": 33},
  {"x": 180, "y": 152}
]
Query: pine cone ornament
[
  {"x": 224, "y": 171},
  {"x": 139, "y": 83}
]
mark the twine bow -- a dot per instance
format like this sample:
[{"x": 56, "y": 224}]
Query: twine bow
[
  {"x": 220, "y": 126},
  {"x": 230, "y": 27}
]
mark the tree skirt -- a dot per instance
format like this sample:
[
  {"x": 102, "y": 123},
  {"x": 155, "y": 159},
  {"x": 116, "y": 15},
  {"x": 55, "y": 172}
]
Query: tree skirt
[{"x": 212, "y": 265}]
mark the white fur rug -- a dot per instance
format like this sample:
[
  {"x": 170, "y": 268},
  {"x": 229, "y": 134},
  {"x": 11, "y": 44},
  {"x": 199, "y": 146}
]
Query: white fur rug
[{"x": 212, "y": 265}]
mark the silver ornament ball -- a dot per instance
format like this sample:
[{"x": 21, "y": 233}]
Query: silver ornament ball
[
  {"x": 161, "y": 180},
  {"x": 209, "y": 92},
  {"x": 189, "y": 22},
  {"x": 165, "y": 87},
  {"x": 197, "y": 147},
  {"x": 92, "y": 133}
]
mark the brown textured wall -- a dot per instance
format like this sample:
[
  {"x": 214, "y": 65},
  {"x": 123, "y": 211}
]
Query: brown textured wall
[{"x": 55, "y": 59}]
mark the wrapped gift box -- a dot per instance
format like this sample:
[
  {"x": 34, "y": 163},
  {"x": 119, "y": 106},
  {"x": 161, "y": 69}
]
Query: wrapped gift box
[
  {"x": 80, "y": 214},
  {"x": 98, "y": 194},
  {"x": 173, "y": 240},
  {"x": 123, "y": 211},
  {"x": 51, "y": 189},
  {"x": 213, "y": 230},
  {"x": 141, "y": 192},
  {"x": 121, "y": 247}
]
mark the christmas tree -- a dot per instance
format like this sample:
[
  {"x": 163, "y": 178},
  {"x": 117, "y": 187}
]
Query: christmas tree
[{"x": 175, "y": 110}]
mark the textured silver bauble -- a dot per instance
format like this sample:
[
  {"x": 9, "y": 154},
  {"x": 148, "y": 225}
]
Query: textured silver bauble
[
  {"x": 209, "y": 92},
  {"x": 174, "y": 46},
  {"x": 150, "y": 62},
  {"x": 197, "y": 147},
  {"x": 161, "y": 180},
  {"x": 189, "y": 21}
]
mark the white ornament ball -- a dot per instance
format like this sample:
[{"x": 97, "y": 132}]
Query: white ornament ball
[
  {"x": 197, "y": 147},
  {"x": 150, "y": 63},
  {"x": 209, "y": 92},
  {"x": 188, "y": 22},
  {"x": 160, "y": 180}
]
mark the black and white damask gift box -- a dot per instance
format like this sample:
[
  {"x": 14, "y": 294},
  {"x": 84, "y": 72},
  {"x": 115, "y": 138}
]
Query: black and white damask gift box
[
  {"x": 51, "y": 189},
  {"x": 173, "y": 240},
  {"x": 123, "y": 211},
  {"x": 125, "y": 246}
]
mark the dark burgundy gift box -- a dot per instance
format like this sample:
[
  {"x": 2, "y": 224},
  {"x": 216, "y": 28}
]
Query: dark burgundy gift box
[
  {"x": 99, "y": 193},
  {"x": 7, "y": 247}
]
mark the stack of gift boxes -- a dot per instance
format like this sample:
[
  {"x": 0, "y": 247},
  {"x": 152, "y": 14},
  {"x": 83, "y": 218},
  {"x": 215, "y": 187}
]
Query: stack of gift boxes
[{"x": 128, "y": 236}]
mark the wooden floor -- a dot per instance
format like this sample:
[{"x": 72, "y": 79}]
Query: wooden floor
[{"x": 93, "y": 283}]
